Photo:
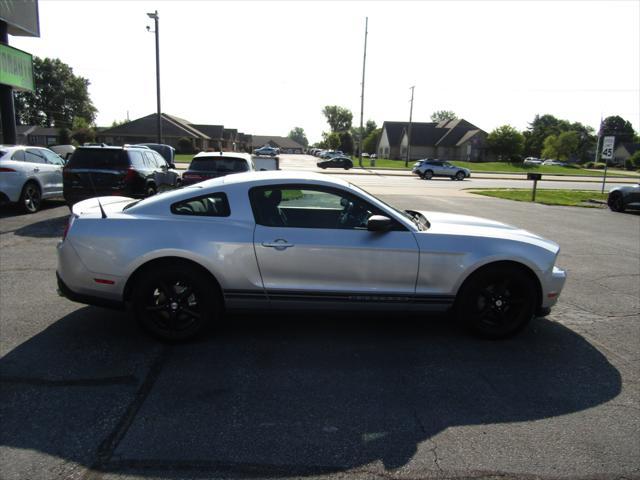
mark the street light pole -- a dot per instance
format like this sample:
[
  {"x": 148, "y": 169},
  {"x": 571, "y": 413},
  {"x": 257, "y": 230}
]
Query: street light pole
[
  {"x": 156, "y": 20},
  {"x": 406, "y": 162},
  {"x": 364, "y": 63}
]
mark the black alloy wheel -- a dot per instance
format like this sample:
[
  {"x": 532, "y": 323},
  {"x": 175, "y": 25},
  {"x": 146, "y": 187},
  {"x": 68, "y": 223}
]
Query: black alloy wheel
[
  {"x": 428, "y": 175},
  {"x": 151, "y": 191},
  {"x": 460, "y": 175},
  {"x": 175, "y": 301},
  {"x": 615, "y": 202},
  {"x": 497, "y": 302},
  {"x": 31, "y": 198}
]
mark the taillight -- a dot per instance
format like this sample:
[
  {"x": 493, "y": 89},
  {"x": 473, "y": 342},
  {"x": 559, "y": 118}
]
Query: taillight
[
  {"x": 130, "y": 176},
  {"x": 6, "y": 169},
  {"x": 68, "y": 226}
]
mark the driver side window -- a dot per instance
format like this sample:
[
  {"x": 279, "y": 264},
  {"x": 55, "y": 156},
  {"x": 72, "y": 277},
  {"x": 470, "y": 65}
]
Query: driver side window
[{"x": 309, "y": 207}]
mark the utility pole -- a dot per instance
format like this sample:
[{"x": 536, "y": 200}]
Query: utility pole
[
  {"x": 406, "y": 162},
  {"x": 364, "y": 63},
  {"x": 156, "y": 19}
]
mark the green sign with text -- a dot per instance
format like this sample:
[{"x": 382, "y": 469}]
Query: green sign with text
[{"x": 16, "y": 68}]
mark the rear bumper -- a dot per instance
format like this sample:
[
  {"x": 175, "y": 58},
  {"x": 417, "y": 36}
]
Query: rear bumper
[{"x": 65, "y": 291}]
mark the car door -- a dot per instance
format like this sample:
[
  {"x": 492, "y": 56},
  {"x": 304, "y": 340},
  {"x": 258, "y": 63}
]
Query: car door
[
  {"x": 40, "y": 168},
  {"x": 313, "y": 248},
  {"x": 56, "y": 173}
]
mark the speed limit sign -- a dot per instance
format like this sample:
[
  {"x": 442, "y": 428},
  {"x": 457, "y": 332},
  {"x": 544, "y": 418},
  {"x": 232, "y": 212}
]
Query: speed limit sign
[{"x": 607, "y": 148}]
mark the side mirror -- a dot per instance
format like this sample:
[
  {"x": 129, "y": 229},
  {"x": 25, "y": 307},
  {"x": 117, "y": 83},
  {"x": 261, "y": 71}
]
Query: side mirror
[
  {"x": 172, "y": 165},
  {"x": 379, "y": 223}
]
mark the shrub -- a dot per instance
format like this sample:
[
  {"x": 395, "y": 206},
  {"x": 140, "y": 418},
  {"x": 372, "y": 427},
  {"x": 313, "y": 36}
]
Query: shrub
[
  {"x": 184, "y": 145},
  {"x": 633, "y": 162}
]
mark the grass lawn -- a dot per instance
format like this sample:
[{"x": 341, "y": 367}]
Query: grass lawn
[
  {"x": 183, "y": 158},
  {"x": 571, "y": 198},
  {"x": 501, "y": 167}
]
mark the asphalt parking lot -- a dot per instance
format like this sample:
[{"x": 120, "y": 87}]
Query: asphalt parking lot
[{"x": 83, "y": 394}]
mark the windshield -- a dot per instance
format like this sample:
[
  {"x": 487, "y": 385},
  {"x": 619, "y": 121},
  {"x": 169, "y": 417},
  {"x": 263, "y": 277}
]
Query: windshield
[
  {"x": 220, "y": 165},
  {"x": 419, "y": 220}
]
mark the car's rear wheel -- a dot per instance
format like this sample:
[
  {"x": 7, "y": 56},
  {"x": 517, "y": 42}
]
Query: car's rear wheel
[
  {"x": 30, "y": 198},
  {"x": 460, "y": 176},
  {"x": 151, "y": 191},
  {"x": 428, "y": 175},
  {"x": 497, "y": 301},
  {"x": 616, "y": 202},
  {"x": 175, "y": 301}
]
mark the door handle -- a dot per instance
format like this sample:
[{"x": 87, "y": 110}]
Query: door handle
[{"x": 279, "y": 244}]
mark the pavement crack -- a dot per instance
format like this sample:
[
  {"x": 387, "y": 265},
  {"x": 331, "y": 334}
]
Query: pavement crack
[
  {"x": 78, "y": 382},
  {"x": 110, "y": 443}
]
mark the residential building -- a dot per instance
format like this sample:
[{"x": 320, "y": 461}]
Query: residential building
[
  {"x": 622, "y": 153},
  {"x": 285, "y": 144},
  {"x": 455, "y": 139},
  {"x": 37, "y": 136}
]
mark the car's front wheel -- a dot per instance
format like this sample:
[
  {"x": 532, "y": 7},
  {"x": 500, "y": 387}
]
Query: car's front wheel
[
  {"x": 30, "y": 198},
  {"x": 497, "y": 301},
  {"x": 616, "y": 202},
  {"x": 175, "y": 301},
  {"x": 460, "y": 175}
]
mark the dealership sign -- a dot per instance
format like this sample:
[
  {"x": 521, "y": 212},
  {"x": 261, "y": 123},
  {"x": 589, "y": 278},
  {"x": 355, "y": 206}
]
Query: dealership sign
[{"x": 16, "y": 68}]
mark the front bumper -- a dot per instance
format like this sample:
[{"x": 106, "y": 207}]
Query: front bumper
[{"x": 552, "y": 287}]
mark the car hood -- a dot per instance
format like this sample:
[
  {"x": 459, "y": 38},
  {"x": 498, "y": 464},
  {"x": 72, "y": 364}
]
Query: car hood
[{"x": 454, "y": 224}]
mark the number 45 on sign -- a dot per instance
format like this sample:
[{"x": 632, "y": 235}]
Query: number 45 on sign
[{"x": 607, "y": 148}]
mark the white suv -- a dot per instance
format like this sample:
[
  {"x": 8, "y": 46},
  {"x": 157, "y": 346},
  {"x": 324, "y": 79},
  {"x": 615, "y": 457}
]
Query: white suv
[{"x": 29, "y": 175}]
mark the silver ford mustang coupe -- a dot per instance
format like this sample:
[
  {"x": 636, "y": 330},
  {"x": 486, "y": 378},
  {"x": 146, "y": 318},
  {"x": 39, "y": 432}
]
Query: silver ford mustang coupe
[{"x": 301, "y": 241}]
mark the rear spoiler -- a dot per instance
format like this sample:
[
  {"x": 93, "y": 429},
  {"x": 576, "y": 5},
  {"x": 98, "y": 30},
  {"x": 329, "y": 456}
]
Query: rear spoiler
[{"x": 101, "y": 205}]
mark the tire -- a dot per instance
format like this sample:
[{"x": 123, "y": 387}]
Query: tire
[
  {"x": 175, "y": 301},
  {"x": 428, "y": 175},
  {"x": 615, "y": 202},
  {"x": 497, "y": 302},
  {"x": 30, "y": 198},
  {"x": 151, "y": 191},
  {"x": 460, "y": 176},
  {"x": 346, "y": 168},
  {"x": 178, "y": 183}
]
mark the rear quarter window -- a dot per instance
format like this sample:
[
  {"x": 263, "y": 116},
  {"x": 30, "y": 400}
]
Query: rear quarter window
[{"x": 211, "y": 205}]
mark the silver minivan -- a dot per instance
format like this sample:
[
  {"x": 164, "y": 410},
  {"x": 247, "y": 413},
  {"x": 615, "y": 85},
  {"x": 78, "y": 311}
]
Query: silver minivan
[{"x": 29, "y": 175}]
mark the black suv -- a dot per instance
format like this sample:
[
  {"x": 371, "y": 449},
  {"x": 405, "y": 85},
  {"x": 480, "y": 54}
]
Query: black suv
[{"x": 129, "y": 171}]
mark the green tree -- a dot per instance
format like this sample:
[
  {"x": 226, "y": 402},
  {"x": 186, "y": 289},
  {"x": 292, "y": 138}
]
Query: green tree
[
  {"x": 370, "y": 143},
  {"x": 298, "y": 135},
  {"x": 346, "y": 142},
  {"x": 81, "y": 131},
  {"x": 618, "y": 127},
  {"x": 59, "y": 96},
  {"x": 440, "y": 115},
  {"x": 561, "y": 147},
  {"x": 539, "y": 130},
  {"x": 64, "y": 136},
  {"x": 338, "y": 118},
  {"x": 633, "y": 162},
  {"x": 506, "y": 142},
  {"x": 331, "y": 140}
]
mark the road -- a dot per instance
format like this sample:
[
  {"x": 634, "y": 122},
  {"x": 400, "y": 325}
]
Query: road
[
  {"x": 392, "y": 180},
  {"x": 83, "y": 394}
]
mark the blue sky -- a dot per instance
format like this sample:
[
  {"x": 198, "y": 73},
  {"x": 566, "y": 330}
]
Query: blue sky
[{"x": 266, "y": 67}]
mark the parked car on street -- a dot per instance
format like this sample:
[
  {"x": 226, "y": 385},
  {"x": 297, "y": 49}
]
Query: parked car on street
[
  {"x": 292, "y": 240},
  {"x": 623, "y": 198},
  {"x": 267, "y": 150},
  {"x": 132, "y": 171},
  {"x": 427, "y": 169},
  {"x": 336, "y": 162},
  {"x": 552, "y": 162},
  {"x": 29, "y": 175},
  {"x": 532, "y": 161},
  {"x": 206, "y": 165}
]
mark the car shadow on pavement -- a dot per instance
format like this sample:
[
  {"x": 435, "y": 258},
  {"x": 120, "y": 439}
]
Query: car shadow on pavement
[
  {"x": 50, "y": 228},
  {"x": 280, "y": 395},
  {"x": 12, "y": 210}
]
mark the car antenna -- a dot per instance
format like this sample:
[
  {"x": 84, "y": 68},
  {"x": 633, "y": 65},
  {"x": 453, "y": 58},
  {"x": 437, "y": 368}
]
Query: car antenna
[{"x": 104, "y": 215}]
